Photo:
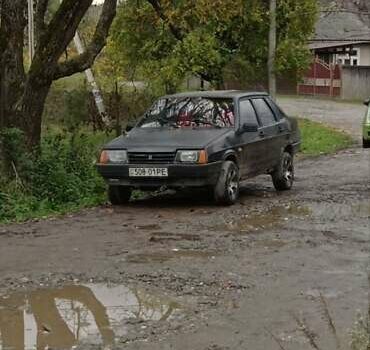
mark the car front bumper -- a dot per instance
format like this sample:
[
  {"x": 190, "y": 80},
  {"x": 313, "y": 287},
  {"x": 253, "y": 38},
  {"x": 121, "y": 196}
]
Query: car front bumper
[{"x": 179, "y": 175}]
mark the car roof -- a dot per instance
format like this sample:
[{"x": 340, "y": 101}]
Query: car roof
[{"x": 217, "y": 94}]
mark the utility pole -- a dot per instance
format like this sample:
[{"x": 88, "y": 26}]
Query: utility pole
[
  {"x": 31, "y": 31},
  {"x": 91, "y": 80},
  {"x": 272, "y": 50},
  {"x": 98, "y": 97}
]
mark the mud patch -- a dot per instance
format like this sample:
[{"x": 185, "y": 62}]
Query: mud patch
[
  {"x": 148, "y": 227},
  {"x": 270, "y": 243},
  {"x": 91, "y": 314},
  {"x": 161, "y": 237},
  {"x": 274, "y": 217},
  {"x": 160, "y": 257},
  {"x": 12, "y": 233}
]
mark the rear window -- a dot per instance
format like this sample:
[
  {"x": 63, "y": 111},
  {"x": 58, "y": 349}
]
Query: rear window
[{"x": 190, "y": 112}]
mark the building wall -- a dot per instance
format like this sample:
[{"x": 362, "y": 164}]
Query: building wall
[
  {"x": 361, "y": 58},
  {"x": 365, "y": 55},
  {"x": 356, "y": 82}
]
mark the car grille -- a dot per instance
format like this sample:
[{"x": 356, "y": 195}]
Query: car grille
[{"x": 151, "y": 158}]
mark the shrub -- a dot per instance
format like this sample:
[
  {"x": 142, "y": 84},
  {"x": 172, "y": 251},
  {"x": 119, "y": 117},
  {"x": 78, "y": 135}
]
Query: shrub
[{"x": 58, "y": 177}]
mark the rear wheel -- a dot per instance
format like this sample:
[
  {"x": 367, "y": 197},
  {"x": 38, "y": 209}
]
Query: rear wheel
[
  {"x": 283, "y": 175},
  {"x": 119, "y": 195},
  {"x": 226, "y": 191},
  {"x": 365, "y": 143}
]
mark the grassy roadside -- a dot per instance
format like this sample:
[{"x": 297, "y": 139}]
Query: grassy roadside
[
  {"x": 320, "y": 98},
  {"x": 63, "y": 179},
  {"x": 319, "y": 139}
]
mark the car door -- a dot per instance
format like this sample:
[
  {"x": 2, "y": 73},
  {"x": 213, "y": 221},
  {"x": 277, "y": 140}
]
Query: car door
[
  {"x": 268, "y": 132},
  {"x": 283, "y": 126},
  {"x": 250, "y": 142}
]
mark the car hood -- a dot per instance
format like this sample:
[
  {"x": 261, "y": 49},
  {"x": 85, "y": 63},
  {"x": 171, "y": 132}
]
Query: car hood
[{"x": 166, "y": 140}]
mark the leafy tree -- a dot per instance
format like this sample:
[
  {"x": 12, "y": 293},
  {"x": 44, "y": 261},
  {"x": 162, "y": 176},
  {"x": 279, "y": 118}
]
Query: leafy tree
[
  {"x": 163, "y": 41},
  {"x": 23, "y": 94}
]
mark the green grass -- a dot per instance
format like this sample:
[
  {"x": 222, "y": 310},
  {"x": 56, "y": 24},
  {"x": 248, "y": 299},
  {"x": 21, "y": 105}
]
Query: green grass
[
  {"x": 318, "y": 139},
  {"x": 60, "y": 180}
]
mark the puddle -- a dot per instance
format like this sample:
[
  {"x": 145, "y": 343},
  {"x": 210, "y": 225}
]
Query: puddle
[
  {"x": 329, "y": 211},
  {"x": 361, "y": 210},
  {"x": 76, "y": 315},
  {"x": 272, "y": 218},
  {"x": 160, "y": 257}
]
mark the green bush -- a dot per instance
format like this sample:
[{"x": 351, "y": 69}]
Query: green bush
[{"x": 59, "y": 177}]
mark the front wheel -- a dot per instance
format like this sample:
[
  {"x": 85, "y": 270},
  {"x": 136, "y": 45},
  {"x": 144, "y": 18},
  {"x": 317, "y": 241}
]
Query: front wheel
[
  {"x": 283, "y": 175},
  {"x": 226, "y": 191},
  {"x": 119, "y": 195}
]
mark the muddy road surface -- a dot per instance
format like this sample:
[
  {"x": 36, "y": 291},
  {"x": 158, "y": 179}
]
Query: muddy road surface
[
  {"x": 174, "y": 271},
  {"x": 177, "y": 272}
]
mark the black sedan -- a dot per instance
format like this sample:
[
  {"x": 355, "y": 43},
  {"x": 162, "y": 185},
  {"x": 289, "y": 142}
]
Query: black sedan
[{"x": 210, "y": 139}]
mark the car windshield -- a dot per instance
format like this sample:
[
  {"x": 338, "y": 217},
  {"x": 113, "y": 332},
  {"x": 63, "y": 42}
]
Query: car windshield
[{"x": 190, "y": 112}]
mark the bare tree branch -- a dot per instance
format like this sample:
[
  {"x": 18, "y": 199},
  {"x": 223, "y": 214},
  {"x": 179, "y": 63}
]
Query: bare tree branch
[
  {"x": 176, "y": 32},
  {"x": 85, "y": 60},
  {"x": 59, "y": 33}
]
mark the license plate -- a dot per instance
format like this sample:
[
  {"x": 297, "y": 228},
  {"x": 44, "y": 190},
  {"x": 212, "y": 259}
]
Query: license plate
[{"x": 148, "y": 172}]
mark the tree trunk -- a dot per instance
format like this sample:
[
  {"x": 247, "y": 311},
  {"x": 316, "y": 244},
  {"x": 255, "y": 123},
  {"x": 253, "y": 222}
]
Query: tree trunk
[
  {"x": 33, "y": 102},
  {"x": 12, "y": 75},
  {"x": 22, "y": 96}
]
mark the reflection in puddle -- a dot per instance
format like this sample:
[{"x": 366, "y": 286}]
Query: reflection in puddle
[
  {"x": 165, "y": 256},
  {"x": 362, "y": 210},
  {"x": 85, "y": 314},
  {"x": 274, "y": 217}
]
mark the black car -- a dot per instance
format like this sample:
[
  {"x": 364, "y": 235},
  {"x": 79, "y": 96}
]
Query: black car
[{"x": 210, "y": 139}]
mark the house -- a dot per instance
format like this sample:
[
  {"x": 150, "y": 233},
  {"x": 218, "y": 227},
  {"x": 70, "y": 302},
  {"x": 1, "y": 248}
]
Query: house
[
  {"x": 342, "y": 38},
  {"x": 341, "y": 47}
]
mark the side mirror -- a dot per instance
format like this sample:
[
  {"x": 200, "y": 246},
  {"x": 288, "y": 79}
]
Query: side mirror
[
  {"x": 249, "y": 127},
  {"x": 367, "y": 102}
]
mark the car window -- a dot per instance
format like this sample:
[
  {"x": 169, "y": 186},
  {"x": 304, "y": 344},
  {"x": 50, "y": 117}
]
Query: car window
[
  {"x": 279, "y": 114},
  {"x": 264, "y": 112},
  {"x": 190, "y": 112},
  {"x": 247, "y": 113}
]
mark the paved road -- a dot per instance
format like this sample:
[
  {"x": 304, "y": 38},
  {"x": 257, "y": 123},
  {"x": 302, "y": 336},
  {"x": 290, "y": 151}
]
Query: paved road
[
  {"x": 177, "y": 272},
  {"x": 341, "y": 115}
]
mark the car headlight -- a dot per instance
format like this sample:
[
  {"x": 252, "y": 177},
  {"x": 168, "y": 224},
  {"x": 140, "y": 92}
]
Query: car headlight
[
  {"x": 113, "y": 156},
  {"x": 199, "y": 157}
]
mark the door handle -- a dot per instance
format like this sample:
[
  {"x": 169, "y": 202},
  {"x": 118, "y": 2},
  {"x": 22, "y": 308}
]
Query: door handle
[
  {"x": 261, "y": 133},
  {"x": 281, "y": 129}
]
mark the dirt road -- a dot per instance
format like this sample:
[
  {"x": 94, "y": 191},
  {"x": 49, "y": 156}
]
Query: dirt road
[
  {"x": 341, "y": 115},
  {"x": 177, "y": 272}
]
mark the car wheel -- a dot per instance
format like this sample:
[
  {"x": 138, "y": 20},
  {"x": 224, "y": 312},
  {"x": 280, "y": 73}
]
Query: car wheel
[
  {"x": 365, "y": 143},
  {"x": 283, "y": 175},
  {"x": 226, "y": 191},
  {"x": 119, "y": 195}
]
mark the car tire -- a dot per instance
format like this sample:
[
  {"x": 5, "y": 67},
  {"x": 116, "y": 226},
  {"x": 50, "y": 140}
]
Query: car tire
[
  {"x": 365, "y": 143},
  {"x": 226, "y": 191},
  {"x": 283, "y": 175},
  {"x": 119, "y": 195}
]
